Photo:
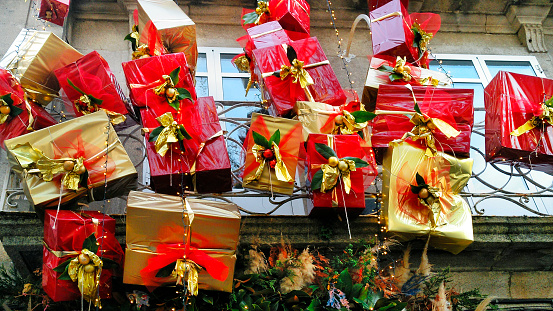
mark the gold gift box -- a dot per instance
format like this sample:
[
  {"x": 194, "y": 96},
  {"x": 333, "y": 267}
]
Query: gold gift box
[
  {"x": 33, "y": 57},
  {"x": 453, "y": 230},
  {"x": 154, "y": 219},
  {"x": 91, "y": 128},
  {"x": 176, "y": 29}
]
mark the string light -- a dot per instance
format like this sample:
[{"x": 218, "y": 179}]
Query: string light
[{"x": 340, "y": 52}]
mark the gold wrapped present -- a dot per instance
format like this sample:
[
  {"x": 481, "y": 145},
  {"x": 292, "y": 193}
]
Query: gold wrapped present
[
  {"x": 163, "y": 230},
  {"x": 175, "y": 29},
  {"x": 33, "y": 57},
  {"x": 68, "y": 160},
  {"x": 421, "y": 197}
]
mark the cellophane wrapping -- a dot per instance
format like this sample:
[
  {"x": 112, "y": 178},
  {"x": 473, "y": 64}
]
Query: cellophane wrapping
[{"x": 54, "y": 11}]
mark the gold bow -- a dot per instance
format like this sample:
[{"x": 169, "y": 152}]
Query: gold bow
[
  {"x": 85, "y": 106},
  {"x": 331, "y": 174},
  {"x": 187, "y": 269},
  {"x": 168, "y": 135},
  {"x": 143, "y": 51},
  {"x": 433, "y": 204},
  {"x": 35, "y": 162},
  {"x": 242, "y": 63},
  {"x": 429, "y": 81},
  {"x": 346, "y": 124},
  {"x": 425, "y": 37},
  {"x": 3, "y": 117},
  {"x": 281, "y": 171},
  {"x": 161, "y": 90},
  {"x": 297, "y": 71},
  {"x": 402, "y": 69},
  {"x": 423, "y": 129},
  {"x": 536, "y": 121},
  {"x": 262, "y": 8},
  {"x": 87, "y": 281}
]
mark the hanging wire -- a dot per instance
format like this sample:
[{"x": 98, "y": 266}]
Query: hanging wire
[{"x": 340, "y": 52}]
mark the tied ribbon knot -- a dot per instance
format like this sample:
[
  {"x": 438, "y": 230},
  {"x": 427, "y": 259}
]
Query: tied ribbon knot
[
  {"x": 162, "y": 89},
  {"x": 87, "y": 276},
  {"x": 87, "y": 104},
  {"x": 543, "y": 116},
  {"x": 345, "y": 124},
  {"x": 331, "y": 175},
  {"x": 188, "y": 270},
  {"x": 171, "y": 132},
  {"x": 262, "y": 8},
  {"x": 425, "y": 37},
  {"x": 402, "y": 69},
  {"x": 299, "y": 74},
  {"x": 281, "y": 171},
  {"x": 141, "y": 51},
  {"x": 429, "y": 197}
]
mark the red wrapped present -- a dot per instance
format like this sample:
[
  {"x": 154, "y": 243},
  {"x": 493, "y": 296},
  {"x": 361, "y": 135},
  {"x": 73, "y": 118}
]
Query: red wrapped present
[
  {"x": 296, "y": 72},
  {"x": 339, "y": 171},
  {"x": 54, "y": 11},
  {"x": 519, "y": 112},
  {"x": 76, "y": 241},
  {"x": 291, "y": 14},
  {"x": 446, "y": 116},
  {"x": 90, "y": 86},
  {"x": 18, "y": 115}
]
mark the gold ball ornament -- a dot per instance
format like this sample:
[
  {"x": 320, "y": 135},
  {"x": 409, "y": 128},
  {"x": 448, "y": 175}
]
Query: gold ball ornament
[
  {"x": 145, "y": 56},
  {"x": 89, "y": 268},
  {"x": 424, "y": 194},
  {"x": 84, "y": 259},
  {"x": 407, "y": 69},
  {"x": 68, "y": 165},
  {"x": 170, "y": 92},
  {"x": 343, "y": 166},
  {"x": 47, "y": 98},
  {"x": 5, "y": 109},
  {"x": 81, "y": 170},
  {"x": 333, "y": 161},
  {"x": 339, "y": 120}
]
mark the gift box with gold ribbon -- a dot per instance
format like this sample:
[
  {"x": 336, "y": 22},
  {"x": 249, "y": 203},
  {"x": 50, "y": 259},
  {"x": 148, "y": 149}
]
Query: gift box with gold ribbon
[
  {"x": 299, "y": 71},
  {"x": 18, "y": 114},
  {"x": 54, "y": 11},
  {"x": 33, "y": 57},
  {"x": 79, "y": 249},
  {"x": 339, "y": 170},
  {"x": 72, "y": 159},
  {"x": 387, "y": 70},
  {"x": 441, "y": 120},
  {"x": 163, "y": 21},
  {"x": 168, "y": 236},
  {"x": 420, "y": 197},
  {"x": 519, "y": 119},
  {"x": 292, "y": 15},
  {"x": 272, "y": 147}
]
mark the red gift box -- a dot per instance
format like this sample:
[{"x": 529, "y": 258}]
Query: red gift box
[
  {"x": 17, "y": 121},
  {"x": 511, "y": 101},
  {"x": 54, "y": 11},
  {"x": 92, "y": 76},
  {"x": 361, "y": 177},
  {"x": 291, "y": 14},
  {"x": 283, "y": 93},
  {"x": 64, "y": 234},
  {"x": 144, "y": 75},
  {"x": 453, "y": 106}
]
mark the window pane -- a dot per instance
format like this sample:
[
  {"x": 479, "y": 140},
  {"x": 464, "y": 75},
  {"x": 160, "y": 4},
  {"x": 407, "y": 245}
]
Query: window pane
[
  {"x": 457, "y": 68},
  {"x": 227, "y": 65},
  {"x": 478, "y": 92},
  {"x": 516, "y": 67},
  {"x": 235, "y": 89},
  {"x": 202, "y": 88},
  {"x": 201, "y": 66}
]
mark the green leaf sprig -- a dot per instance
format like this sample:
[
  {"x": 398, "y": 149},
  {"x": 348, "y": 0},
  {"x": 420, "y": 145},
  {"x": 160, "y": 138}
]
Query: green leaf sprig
[
  {"x": 182, "y": 92},
  {"x": 14, "y": 110}
]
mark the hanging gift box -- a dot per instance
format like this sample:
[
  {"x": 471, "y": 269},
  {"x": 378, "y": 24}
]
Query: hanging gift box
[
  {"x": 375, "y": 4},
  {"x": 164, "y": 232},
  {"x": 339, "y": 170},
  {"x": 65, "y": 161},
  {"x": 165, "y": 20},
  {"x": 442, "y": 120},
  {"x": 17, "y": 114},
  {"x": 54, "y": 11},
  {"x": 519, "y": 115},
  {"x": 32, "y": 59},
  {"x": 90, "y": 86},
  {"x": 385, "y": 70},
  {"x": 292, "y": 15},
  {"x": 296, "y": 72},
  {"x": 80, "y": 249},
  {"x": 421, "y": 197},
  {"x": 159, "y": 81},
  {"x": 272, "y": 147}
]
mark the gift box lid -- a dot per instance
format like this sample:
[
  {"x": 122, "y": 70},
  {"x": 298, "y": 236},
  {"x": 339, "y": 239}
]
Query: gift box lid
[{"x": 157, "y": 11}]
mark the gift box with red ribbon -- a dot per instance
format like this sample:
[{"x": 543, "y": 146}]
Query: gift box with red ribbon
[
  {"x": 519, "y": 119},
  {"x": 443, "y": 123},
  {"x": 298, "y": 71},
  {"x": 18, "y": 115},
  {"x": 292, "y": 15},
  {"x": 54, "y": 11},
  {"x": 90, "y": 86},
  {"x": 66, "y": 234},
  {"x": 339, "y": 170},
  {"x": 420, "y": 197},
  {"x": 164, "y": 231}
]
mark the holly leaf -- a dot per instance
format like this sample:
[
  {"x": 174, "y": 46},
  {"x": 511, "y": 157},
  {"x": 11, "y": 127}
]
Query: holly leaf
[
  {"x": 14, "y": 110},
  {"x": 175, "y": 104},
  {"x": 417, "y": 109},
  {"x": 183, "y": 132},
  {"x": 249, "y": 18},
  {"x": 549, "y": 102},
  {"x": 95, "y": 101},
  {"x": 109, "y": 264},
  {"x": 317, "y": 180},
  {"x": 275, "y": 138},
  {"x": 65, "y": 275},
  {"x": 395, "y": 77},
  {"x": 207, "y": 299},
  {"x": 184, "y": 94},
  {"x": 62, "y": 266},
  {"x": 155, "y": 133},
  {"x": 386, "y": 68},
  {"x": 83, "y": 179},
  {"x": 325, "y": 150},
  {"x": 75, "y": 87},
  {"x": 132, "y": 40},
  {"x": 363, "y": 116},
  {"x": 91, "y": 243},
  {"x": 166, "y": 271},
  {"x": 420, "y": 180},
  {"x": 358, "y": 162},
  {"x": 175, "y": 76},
  {"x": 260, "y": 140}
]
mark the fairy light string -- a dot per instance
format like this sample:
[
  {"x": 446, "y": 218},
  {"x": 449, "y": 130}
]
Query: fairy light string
[{"x": 339, "y": 46}]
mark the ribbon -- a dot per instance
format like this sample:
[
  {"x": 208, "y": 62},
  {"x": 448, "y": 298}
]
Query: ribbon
[
  {"x": 35, "y": 162},
  {"x": 425, "y": 37},
  {"x": 281, "y": 171},
  {"x": 402, "y": 69},
  {"x": 87, "y": 276},
  {"x": 161, "y": 90},
  {"x": 87, "y": 104},
  {"x": 201, "y": 148},
  {"x": 383, "y": 17},
  {"x": 142, "y": 51},
  {"x": 185, "y": 268},
  {"x": 332, "y": 172},
  {"x": 242, "y": 63},
  {"x": 262, "y": 8},
  {"x": 543, "y": 116},
  {"x": 171, "y": 133}
]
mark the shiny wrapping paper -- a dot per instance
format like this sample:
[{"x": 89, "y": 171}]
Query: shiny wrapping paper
[
  {"x": 511, "y": 100},
  {"x": 376, "y": 78},
  {"x": 66, "y": 240},
  {"x": 375, "y": 4},
  {"x": 80, "y": 137},
  {"x": 156, "y": 219},
  {"x": 290, "y": 140},
  {"x": 282, "y": 94},
  {"x": 40, "y": 53},
  {"x": 54, "y": 11},
  {"x": 454, "y": 106},
  {"x": 92, "y": 75},
  {"x": 292, "y": 15},
  {"x": 361, "y": 178},
  {"x": 174, "y": 28},
  {"x": 143, "y": 75},
  {"x": 404, "y": 214},
  {"x": 19, "y": 125}
]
